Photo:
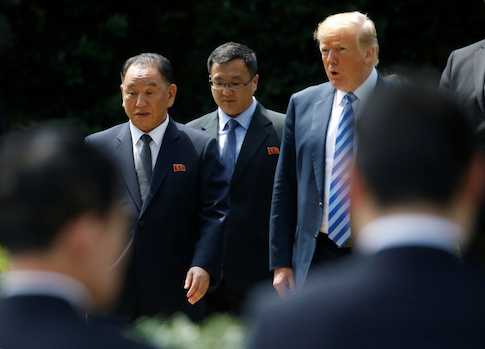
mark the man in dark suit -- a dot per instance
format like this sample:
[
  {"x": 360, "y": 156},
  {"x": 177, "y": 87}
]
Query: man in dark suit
[
  {"x": 309, "y": 167},
  {"x": 463, "y": 79},
  {"x": 417, "y": 182},
  {"x": 175, "y": 188},
  {"x": 233, "y": 76},
  {"x": 63, "y": 227}
]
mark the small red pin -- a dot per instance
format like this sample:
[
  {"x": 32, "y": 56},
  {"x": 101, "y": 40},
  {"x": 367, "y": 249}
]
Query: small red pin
[
  {"x": 273, "y": 150},
  {"x": 178, "y": 168}
]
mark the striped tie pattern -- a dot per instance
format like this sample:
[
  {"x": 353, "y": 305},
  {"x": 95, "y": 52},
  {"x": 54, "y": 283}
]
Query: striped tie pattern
[{"x": 339, "y": 202}]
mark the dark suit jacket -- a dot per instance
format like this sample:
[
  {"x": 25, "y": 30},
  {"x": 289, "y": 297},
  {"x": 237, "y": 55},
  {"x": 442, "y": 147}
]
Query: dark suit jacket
[
  {"x": 464, "y": 79},
  {"x": 411, "y": 297},
  {"x": 298, "y": 195},
  {"x": 181, "y": 224},
  {"x": 51, "y": 323},
  {"x": 245, "y": 261}
]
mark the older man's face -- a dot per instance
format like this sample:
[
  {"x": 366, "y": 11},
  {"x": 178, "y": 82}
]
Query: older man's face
[
  {"x": 346, "y": 64},
  {"x": 146, "y": 97}
]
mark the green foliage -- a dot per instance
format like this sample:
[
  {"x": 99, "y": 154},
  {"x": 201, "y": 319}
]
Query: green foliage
[
  {"x": 179, "y": 332},
  {"x": 61, "y": 58},
  {"x": 4, "y": 261}
]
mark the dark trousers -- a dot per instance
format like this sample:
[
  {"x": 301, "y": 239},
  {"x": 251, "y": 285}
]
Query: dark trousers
[
  {"x": 224, "y": 300},
  {"x": 326, "y": 252}
]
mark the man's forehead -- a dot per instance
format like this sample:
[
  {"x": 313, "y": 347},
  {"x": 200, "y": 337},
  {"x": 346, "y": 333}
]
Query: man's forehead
[
  {"x": 139, "y": 72},
  {"x": 336, "y": 38}
]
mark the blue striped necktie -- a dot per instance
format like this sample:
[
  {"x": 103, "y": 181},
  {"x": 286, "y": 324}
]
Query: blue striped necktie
[
  {"x": 229, "y": 149},
  {"x": 339, "y": 202}
]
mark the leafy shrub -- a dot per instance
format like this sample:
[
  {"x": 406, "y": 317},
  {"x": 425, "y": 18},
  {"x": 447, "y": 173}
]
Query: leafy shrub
[{"x": 179, "y": 332}]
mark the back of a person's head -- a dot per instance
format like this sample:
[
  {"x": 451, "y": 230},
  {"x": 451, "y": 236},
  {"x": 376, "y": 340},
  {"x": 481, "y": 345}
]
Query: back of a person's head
[
  {"x": 414, "y": 145},
  {"x": 48, "y": 177}
]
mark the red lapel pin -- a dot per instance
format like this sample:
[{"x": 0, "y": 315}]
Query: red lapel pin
[
  {"x": 273, "y": 150},
  {"x": 178, "y": 168}
]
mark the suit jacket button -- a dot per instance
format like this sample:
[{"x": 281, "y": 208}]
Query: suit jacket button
[
  {"x": 141, "y": 223},
  {"x": 320, "y": 204},
  {"x": 316, "y": 236}
]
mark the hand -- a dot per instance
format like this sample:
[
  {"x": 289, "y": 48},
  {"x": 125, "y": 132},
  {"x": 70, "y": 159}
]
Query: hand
[
  {"x": 283, "y": 281},
  {"x": 197, "y": 283}
]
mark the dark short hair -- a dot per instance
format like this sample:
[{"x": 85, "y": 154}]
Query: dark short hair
[
  {"x": 47, "y": 178},
  {"x": 150, "y": 60},
  {"x": 230, "y": 51},
  {"x": 413, "y": 145}
]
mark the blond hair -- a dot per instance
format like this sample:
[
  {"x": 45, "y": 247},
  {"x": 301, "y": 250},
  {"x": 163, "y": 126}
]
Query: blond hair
[{"x": 350, "y": 23}]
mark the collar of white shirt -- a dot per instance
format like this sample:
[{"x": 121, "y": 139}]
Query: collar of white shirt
[
  {"x": 44, "y": 283},
  {"x": 413, "y": 229},
  {"x": 244, "y": 119},
  {"x": 363, "y": 92},
  {"x": 157, "y": 133}
]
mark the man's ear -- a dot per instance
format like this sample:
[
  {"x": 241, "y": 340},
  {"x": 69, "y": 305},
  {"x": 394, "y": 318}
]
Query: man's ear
[
  {"x": 362, "y": 204},
  {"x": 122, "y": 99},
  {"x": 358, "y": 187},
  {"x": 172, "y": 92},
  {"x": 369, "y": 54},
  {"x": 79, "y": 236},
  {"x": 474, "y": 181}
]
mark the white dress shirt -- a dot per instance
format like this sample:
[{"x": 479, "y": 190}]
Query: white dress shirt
[
  {"x": 363, "y": 93},
  {"x": 157, "y": 135},
  {"x": 410, "y": 229},
  {"x": 244, "y": 119},
  {"x": 44, "y": 283}
]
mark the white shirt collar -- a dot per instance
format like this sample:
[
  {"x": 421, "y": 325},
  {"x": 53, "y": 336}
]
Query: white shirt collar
[
  {"x": 404, "y": 230},
  {"x": 244, "y": 118},
  {"x": 157, "y": 133},
  {"x": 44, "y": 283},
  {"x": 364, "y": 91}
]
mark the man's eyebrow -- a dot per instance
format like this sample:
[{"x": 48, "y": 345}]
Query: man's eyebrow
[
  {"x": 236, "y": 77},
  {"x": 154, "y": 84}
]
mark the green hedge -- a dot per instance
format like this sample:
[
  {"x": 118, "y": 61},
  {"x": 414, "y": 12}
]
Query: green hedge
[
  {"x": 61, "y": 58},
  {"x": 4, "y": 261}
]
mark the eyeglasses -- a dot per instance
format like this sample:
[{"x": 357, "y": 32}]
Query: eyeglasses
[{"x": 233, "y": 86}]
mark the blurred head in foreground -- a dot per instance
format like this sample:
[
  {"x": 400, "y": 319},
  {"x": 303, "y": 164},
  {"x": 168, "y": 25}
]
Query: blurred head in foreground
[
  {"x": 416, "y": 153},
  {"x": 58, "y": 208}
]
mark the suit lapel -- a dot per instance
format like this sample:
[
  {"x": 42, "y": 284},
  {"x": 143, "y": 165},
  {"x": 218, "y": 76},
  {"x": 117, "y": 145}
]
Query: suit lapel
[
  {"x": 124, "y": 148},
  {"x": 321, "y": 117},
  {"x": 168, "y": 152},
  {"x": 480, "y": 77},
  {"x": 210, "y": 124},
  {"x": 255, "y": 137}
]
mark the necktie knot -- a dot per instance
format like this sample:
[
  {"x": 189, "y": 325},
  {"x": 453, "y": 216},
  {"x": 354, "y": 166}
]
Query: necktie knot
[
  {"x": 350, "y": 97},
  {"x": 146, "y": 139},
  {"x": 231, "y": 125}
]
